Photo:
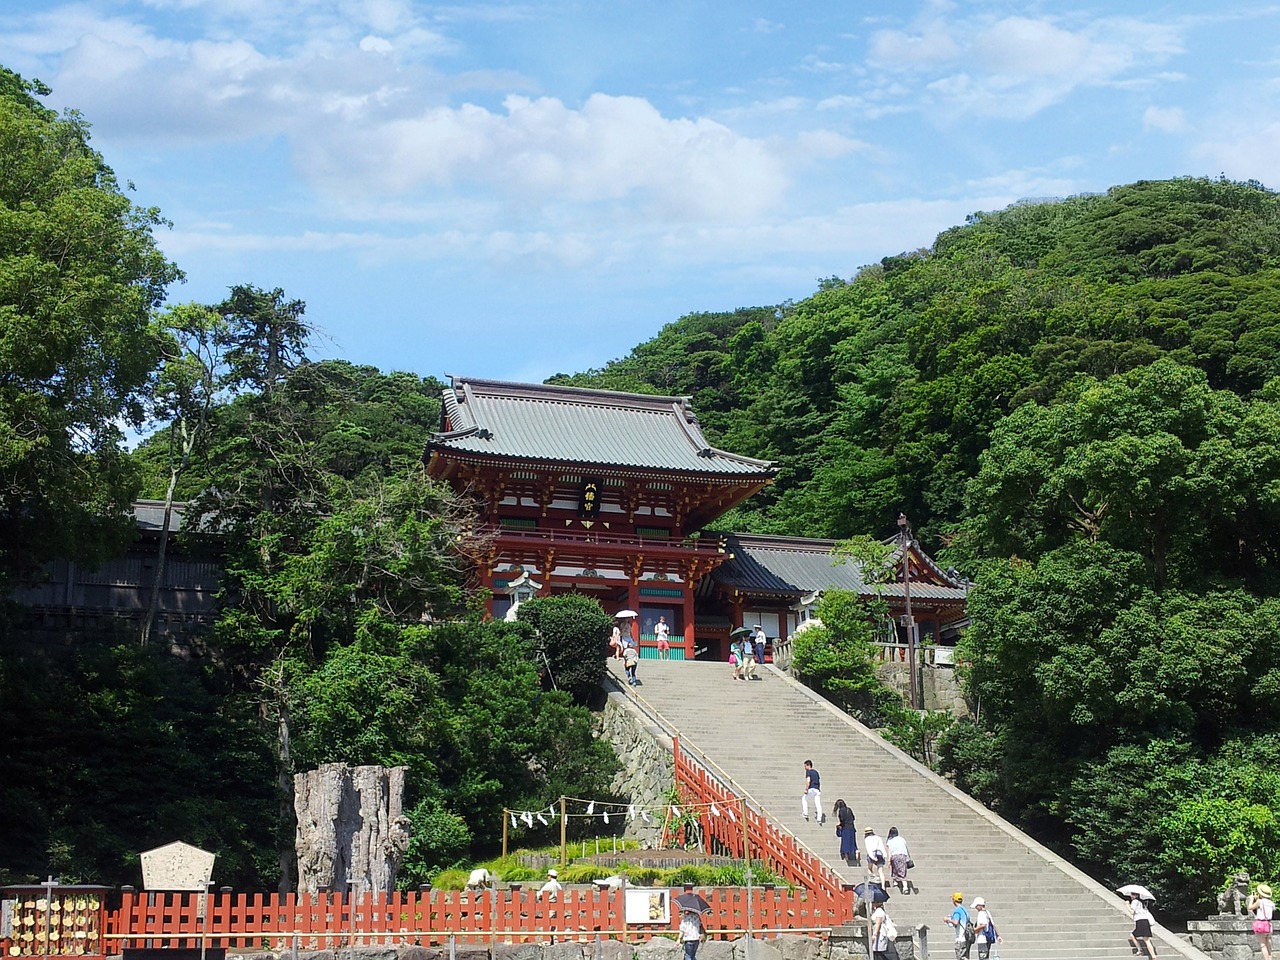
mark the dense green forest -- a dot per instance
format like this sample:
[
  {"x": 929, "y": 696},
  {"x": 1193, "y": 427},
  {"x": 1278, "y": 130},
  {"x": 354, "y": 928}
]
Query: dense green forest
[{"x": 1076, "y": 402}]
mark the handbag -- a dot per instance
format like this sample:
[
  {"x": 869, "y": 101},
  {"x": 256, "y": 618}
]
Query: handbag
[{"x": 911, "y": 864}]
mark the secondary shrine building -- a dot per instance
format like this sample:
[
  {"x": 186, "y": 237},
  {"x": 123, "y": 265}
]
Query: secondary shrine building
[{"x": 615, "y": 495}]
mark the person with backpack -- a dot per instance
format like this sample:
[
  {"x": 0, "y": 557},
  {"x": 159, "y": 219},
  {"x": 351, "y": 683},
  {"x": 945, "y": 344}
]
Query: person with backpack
[
  {"x": 959, "y": 919},
  {"x": 883, "y": 933},
  {"x": 877, "y": 855},
  {"x": 985, "y": 928}
]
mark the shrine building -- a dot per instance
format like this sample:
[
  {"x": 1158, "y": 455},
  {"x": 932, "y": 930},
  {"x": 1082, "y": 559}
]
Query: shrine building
[{"x": 614, "y": 495}]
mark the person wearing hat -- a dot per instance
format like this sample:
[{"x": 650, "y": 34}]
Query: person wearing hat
[
  {"x": 959, "y": 919},
  {"x": 985, "y": 927},
  {"x": 758, "y": 639},
  {"x": 877, "y": 853},
  {"x": 1140, "y": 939},
  {"x": 1263, "y": 909},
  {"x": 551, "y": 889}
]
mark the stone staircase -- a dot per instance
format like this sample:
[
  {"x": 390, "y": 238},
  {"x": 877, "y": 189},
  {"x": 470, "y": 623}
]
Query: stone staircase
[{"x": 760, "y": 733}]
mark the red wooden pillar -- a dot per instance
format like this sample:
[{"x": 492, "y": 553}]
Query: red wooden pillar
[
  {"x": 690, "y": 648},
  {"x": 633, "y": 603}
]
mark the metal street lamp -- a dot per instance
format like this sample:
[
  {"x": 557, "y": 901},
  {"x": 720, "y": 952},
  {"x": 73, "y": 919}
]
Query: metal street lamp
[{"x": 904, "y": 540}]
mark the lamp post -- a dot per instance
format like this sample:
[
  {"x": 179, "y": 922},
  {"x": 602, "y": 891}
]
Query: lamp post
[{"x": 904, "y": 540}]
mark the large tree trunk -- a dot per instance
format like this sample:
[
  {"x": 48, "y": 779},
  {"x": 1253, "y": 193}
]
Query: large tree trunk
[{"x": 351, "y": 828}]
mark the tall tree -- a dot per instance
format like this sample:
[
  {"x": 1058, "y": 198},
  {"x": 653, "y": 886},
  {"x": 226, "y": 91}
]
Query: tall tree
[
  {"x": 188, "y": 383},
  {"x": 80, "y": 274}
]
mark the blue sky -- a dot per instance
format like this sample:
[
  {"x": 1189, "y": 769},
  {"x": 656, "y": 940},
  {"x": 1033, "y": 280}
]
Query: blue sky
[{"x": 514, "y": 190}]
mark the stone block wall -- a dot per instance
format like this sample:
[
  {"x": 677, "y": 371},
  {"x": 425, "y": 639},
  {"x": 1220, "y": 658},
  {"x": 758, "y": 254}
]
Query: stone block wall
[
  {"x": 1225, "y": 937},
  {"x": 939, "y": 684},
  {"x": 783, "y": 947},
  {"x": 646, "y": 756}
]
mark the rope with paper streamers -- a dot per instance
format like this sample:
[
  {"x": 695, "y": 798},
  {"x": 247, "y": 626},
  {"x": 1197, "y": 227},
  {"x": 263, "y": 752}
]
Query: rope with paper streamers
[{"x": 605, "y": 810}]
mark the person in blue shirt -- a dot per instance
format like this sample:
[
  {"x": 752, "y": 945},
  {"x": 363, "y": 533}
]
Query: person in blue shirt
[{"x": 960, "y": 920}]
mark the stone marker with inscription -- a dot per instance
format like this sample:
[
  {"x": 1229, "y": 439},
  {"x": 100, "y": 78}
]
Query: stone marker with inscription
[{"x": 177, "y": 866}]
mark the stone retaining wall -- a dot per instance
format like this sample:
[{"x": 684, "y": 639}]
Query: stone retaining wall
[
  {"x": 646, "y": 756},
  {"x": 1225, "y": 937},
  {"x": 939, "y": 685},
  {"x": 783, "y": 947}
]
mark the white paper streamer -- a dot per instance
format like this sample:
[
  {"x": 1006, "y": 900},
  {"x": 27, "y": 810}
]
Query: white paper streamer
[
  {"x": 631, "y": 811},
  {"x": 606, "y": 816},
  {"x": 591, "y": 808},
  {"x": 675, "y": 811},
  {"x": 715, "y": 811},
  {"x": 542, "y": 820},
  {"x": 644, "y": 815},
  {"x": 527, "y": 817},
  {"x": 513, "y": 819}
]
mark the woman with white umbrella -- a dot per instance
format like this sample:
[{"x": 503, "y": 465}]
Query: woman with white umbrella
[{"x": 1140, "y": 939}]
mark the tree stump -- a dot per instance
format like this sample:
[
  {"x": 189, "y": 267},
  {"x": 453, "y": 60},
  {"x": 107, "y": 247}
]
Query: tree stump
[{"x": 351, "y": 827}]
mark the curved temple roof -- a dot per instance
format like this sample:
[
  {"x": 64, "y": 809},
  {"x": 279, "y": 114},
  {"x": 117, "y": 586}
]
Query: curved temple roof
[
  {"x": 796, "y": 567},
  {"x": 585, "y": 426}
]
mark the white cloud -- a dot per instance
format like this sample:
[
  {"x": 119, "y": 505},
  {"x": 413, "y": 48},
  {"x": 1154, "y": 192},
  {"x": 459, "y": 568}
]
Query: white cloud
[
  {"x": 896, "y": 49},
  {"x": 1016, "y": 66},
  {"x": 1020, "y": 46},
  {"x": 1165, "y": 119},
  {"x": 540, "y": 151},
  {"x": 1246, "y": 152}
]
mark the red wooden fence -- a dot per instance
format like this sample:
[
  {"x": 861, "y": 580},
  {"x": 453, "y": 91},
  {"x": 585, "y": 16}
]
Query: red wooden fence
[
  {"x": 330, "y": 921},
  {"x": 241, "y": 921}
]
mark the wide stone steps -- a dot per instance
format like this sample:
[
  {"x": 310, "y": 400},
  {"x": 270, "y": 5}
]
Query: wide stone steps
[{"x": 759, "y": 733}]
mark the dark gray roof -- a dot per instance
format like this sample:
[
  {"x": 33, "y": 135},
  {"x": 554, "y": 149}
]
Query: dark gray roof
[
  {"x": 149, "y": 515},
  {"x": 577, "y": 425},
  {"x": 796, "y": 567}
]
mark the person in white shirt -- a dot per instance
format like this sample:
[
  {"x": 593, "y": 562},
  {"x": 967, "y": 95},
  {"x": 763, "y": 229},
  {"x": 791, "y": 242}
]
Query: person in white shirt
[
  {"x": 690, "y": 933},
  {"x": 985, "y": 927},
  {"x": 1140, "y": 939},
  {"x": 899, "y": 859},
  {"x": 883, "y": 932},
  {"x": 663, "y": 633},
  {"x": 1264, "y": 911},
  {"x": 877, "y": 854},
  {"x": 551, "y": 889}
]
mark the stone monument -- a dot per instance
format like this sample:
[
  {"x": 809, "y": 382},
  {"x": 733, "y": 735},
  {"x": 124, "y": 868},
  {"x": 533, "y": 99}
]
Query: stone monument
[
  {"x": 177, "y": 866},
  {"x": 352, "y": 832}
]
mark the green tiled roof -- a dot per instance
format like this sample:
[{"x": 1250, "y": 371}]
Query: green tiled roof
[
  {"x": 796, "y": 567},
  {"x": 576, "y": 425}
]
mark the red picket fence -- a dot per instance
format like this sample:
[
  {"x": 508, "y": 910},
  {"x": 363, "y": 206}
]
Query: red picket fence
[
  {"x": 768, "y": 844},
  {"x": 332, "y": 921}
]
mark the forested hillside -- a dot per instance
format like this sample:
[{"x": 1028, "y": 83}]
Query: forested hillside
[{"x": 1078, "y": 404}]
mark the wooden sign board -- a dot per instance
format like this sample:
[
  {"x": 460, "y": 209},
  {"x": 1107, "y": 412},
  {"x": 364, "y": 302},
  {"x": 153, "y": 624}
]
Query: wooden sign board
[
  {"x": 177, "y": 866},
  {"x": 648, "y": 905}
]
